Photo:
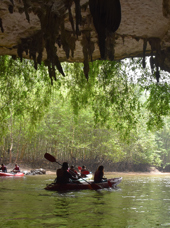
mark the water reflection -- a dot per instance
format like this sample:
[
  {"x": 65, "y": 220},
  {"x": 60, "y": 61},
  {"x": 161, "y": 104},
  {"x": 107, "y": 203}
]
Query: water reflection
[{"x": 141, "y": 201}]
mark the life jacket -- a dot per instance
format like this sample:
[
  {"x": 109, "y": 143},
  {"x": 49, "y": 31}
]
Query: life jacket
[
  {"x": 4, "y": 169},
  {"x": 84, "y": 172},
  {"x": 73, "y": 172},
  {"x": 17, "y": 168}
]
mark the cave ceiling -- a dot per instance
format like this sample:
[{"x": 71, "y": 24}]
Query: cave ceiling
[{"x": 85, "y": 30}]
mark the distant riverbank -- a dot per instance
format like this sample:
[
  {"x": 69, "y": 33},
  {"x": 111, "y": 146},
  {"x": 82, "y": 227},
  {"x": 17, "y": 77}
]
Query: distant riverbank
[
  {"x": 123, "y": 173},
  {"x": 153, "y": 171}
]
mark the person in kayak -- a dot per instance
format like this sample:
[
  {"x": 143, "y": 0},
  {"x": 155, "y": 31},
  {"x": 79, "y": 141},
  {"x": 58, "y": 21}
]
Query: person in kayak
[
  {"x": 63, "y": 176},
  {"x": 98, "y": 176},
  {"x": 3, "y": 168},
  {"x": 73, "y": 172},
  {"x": 16, "y": 169},
  {"x": 84, "y": 171}
]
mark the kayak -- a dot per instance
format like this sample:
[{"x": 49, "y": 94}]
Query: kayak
[
  {"x": 19, "y": 174},
  {"x": 110, "y": 183}
]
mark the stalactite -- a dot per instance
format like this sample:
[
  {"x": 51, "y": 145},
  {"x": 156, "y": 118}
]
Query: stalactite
[
  {"x": 12, "y": 2},
  {"x": 110, "y": 42},
  {"x": 155, "y": 49},
  {"x": 88, "y": 48},
  {"x": 78, "y": 15},
  {"x": 157, "y": 74},
  {"x": 52, "y": 32},
  {"x": 166, "y": 8},
  {"x": 67, "y": 41},
  {"x": 144, "y": 52},
  {"x": 1, "y": 26},
  {"x": 69, "y": 3},
  {"x": 11, "y": 9},
  {"x": 152, "y": 63},
  {"x": 31, "y": 46},
  {"x": 106, "y": 16},
  {"x": 26, "y": 6},
  {"x": 106, "y": 20}
]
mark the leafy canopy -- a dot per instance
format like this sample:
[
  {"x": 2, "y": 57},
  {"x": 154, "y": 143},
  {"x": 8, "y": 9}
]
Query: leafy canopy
[{"x": 114, "y": 91}]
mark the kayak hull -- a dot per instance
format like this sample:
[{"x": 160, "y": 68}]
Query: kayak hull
[
  {"x": 113, "y": 182},
  {"x": 2, "y": 174}
]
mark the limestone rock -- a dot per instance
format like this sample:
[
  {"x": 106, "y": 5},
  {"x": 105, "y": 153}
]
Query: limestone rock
[{"x": 63, "y": 30}]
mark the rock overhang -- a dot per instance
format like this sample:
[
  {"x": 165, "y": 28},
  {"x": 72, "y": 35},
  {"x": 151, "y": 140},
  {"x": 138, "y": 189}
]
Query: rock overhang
[{"x": 64, "y": 30}]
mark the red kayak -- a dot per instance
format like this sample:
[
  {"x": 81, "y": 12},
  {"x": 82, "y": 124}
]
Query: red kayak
[
  {"x": 110, "y": 183},
  {"x": 2, "y": 174}
]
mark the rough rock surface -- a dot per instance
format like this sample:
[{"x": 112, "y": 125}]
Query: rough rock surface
[
  {"x": 39, "y": 171},
  {"x": 63, "y": 30}
]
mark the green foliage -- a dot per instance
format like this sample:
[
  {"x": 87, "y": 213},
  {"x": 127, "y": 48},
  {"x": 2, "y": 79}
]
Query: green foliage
[
  {"x": 107, "y": 91},
  {"x": 157, "y": 96},
  {"x": 158, "y": 104},
  {"x": 80, "y": 119},
  {"x": 163, "y": 143},
  {"x": 25, "y": 93}
]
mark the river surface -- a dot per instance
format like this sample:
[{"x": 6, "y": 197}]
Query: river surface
[{"x": 140, "y": 201}]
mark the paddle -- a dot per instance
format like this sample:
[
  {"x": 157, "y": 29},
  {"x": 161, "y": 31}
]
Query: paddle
[
  {"x": 51, "y": 158},
  {"x": 85, "y": 172},
  {"x": 79, "y": 168}
]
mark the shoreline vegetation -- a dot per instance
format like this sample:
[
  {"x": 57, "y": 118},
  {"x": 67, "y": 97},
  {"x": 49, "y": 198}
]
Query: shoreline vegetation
[
  {"x": 49, "y": 172},
  {"x": 151, "y": 171}
]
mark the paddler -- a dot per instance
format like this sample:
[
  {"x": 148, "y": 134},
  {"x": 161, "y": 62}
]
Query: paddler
[
  {"x": 73, "y": 172},
  {"x": 3, "y": 168},
  {"x": 16, "y": 169},
  {"x": 99, "y": 175},
  {"x": 84, "y": 171},
  {"x": 63, "y": 176}
]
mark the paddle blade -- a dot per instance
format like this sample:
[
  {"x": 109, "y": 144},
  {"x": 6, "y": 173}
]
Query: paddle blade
[
  {"x": 86, "y": 172},
  {"x": 79, "y": 168},
  {"x": 90, "y": 187},
  {"x": 49, "y": 157}
]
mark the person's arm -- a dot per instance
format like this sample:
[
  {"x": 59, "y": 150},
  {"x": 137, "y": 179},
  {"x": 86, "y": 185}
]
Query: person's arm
[
  {"x": 71, "y": 177},
  {"x": 76, "y": 172},
  {"x": 103, "y": 177}
]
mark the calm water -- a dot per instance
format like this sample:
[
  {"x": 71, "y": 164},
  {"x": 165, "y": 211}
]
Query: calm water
[{"x": 140, "y": 201}]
